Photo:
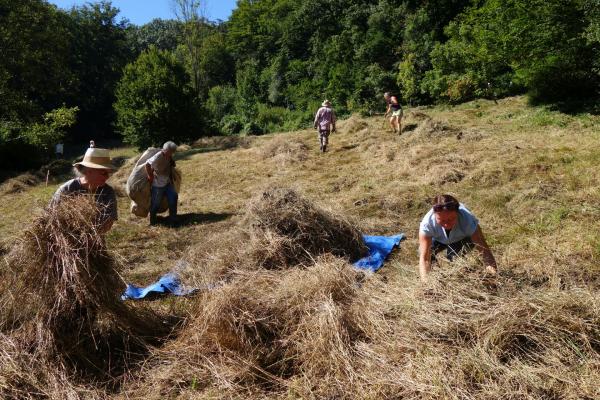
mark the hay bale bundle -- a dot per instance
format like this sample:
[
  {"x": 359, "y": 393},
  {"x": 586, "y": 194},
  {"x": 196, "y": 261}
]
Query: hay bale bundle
[
  {"x": 138, "y": 187},
  {"x": 286, "y": 229},
  {"x": 61, "y": 304},
  {"x": 431, "y": 127},
  {"x": 353, "y": 124}
]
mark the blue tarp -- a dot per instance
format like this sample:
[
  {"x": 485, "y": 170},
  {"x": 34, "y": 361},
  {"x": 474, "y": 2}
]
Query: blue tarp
[
  {"x": 167, "y": 284},
  {"x": 379, "y": 248}
]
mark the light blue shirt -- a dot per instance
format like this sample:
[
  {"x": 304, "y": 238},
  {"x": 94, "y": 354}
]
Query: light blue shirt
[{"x": 465, "y": 226}]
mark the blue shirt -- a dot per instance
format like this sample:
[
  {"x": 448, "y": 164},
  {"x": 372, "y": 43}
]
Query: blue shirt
[{"x": 465, "y": 226}]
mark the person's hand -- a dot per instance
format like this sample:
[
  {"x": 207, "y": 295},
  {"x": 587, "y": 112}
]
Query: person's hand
[{"x": 150, "y": 178}]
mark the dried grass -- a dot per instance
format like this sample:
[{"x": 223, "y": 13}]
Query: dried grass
[
  {"x": 19, "y": 184},
  {"x": 353, "y": 124},
  {"x": 284, "y": 149},
  {"x": 286, "y": 229},
  {"x": 62, "y": 317}
]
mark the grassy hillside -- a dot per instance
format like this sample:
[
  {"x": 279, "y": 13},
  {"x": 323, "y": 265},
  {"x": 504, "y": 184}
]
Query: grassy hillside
[{"x": 528, "y": 173}]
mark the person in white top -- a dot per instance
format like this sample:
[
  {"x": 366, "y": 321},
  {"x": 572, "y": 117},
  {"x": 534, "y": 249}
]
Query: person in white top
[
  {"x": 450, "y": 226},
  {"x": 158, "y": 170}
]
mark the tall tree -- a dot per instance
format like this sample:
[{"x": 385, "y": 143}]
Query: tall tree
[
  {"x": 155, "y": 102},
  {"x": 100, "y": 51},
  {"x": 190, "y": 14}
]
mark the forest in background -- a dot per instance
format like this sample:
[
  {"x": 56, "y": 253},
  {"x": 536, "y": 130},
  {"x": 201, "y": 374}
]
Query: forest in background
[{"x": 70, "y": 76}]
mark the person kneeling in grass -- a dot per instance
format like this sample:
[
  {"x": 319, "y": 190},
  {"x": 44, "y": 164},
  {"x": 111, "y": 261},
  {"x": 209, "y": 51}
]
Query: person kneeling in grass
[{"x": 450, "y": 226}]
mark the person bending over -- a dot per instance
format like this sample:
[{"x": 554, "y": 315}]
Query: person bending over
[
  {"x": 158, "y": 171},
  {"x": 449, "y": 226}
]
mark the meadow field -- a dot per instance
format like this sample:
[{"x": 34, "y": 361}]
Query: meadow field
[{"x": 314, "y": 327}]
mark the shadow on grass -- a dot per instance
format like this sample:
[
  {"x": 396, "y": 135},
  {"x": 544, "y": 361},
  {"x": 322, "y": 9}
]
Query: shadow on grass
[
  {"x": 193, "y": 219},
  {"x": 409, "y": 127},
  {"x": 185, "y": 155},
  {"x": 572, "y": 107}
]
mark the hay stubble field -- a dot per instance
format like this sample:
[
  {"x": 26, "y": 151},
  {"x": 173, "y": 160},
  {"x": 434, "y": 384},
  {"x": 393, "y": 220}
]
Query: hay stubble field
[{"x": 316, "y": 328}]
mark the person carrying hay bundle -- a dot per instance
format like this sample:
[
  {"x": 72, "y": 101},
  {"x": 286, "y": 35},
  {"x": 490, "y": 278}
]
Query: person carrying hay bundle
[
  {"x": 92, "y": 173},
  {"x": 159, "y": 172},
  {"x": 450, "y": 226},
  {"x": 325, "y": 123},
  {"x": 394, "y": 109}
]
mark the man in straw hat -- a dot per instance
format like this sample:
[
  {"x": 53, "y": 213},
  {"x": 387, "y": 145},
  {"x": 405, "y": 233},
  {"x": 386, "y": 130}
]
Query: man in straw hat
[
  {"x": 325, "y": 123},
  {"x": 92, "y": 173},
  {"x": 158, "y": 170}
]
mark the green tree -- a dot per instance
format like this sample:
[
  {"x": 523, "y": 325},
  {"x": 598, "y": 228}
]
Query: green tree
[
  {"x": 100, "y": 51},
  {"x": 34, "y": 71},
  {"x": 164, "y": 34},
  {"x": 155, "y": 102}
]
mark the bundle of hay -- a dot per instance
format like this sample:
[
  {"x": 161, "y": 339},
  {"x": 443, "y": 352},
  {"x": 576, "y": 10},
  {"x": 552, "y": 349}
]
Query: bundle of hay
[
  {"x": 61, "y": 303},
  {"x": 286, "y": 229},
  {"x": 430, "y": 127}
]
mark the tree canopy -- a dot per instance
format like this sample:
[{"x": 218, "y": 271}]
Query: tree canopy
[{"x": 271, "y": 64}]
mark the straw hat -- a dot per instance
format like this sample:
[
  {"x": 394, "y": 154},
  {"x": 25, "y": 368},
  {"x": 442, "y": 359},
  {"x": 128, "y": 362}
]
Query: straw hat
[
  {"x": 326, "y": 103},
  {"x": 96, "y": 158}
]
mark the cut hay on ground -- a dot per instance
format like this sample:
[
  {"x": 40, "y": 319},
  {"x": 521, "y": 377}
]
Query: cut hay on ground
[
  {"x": 352, "y": 125},
  {"x": 62, "y": 317},
  {"x": 19, "y": 184},
  {"x": 284, "y": 149},
  {"x": 430, "y": 127},
  {"x": 271, "y": 332}
]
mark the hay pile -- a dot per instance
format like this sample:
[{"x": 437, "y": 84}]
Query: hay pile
[
  {"x": 19, "y": 183},
  {"x": 430, "y": 127},
  {"x": 300, "y": 331},
  {"x": 62, "y": 318},
  {"x": 286, "y": 229},
  {"x": 353, "y": 124},
  {"x": 285, "y": 150}
]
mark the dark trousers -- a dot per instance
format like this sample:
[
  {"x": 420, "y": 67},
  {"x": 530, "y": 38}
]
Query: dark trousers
[
  {"x": 452, "y": 250},
  {"x": 157, "y": 195},
  {"x": 323, "y": 137}
]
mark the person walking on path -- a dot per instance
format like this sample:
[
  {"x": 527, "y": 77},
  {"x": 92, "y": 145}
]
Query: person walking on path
[
  {"x": 394, "y": 109},
  {"x": 325, "y": 123},
  {"x": 92, "y": 173},
  {"x": 59, "y": 150},
  {"x": 450, "y": 226},
  {"x": 158, "y": 171}
]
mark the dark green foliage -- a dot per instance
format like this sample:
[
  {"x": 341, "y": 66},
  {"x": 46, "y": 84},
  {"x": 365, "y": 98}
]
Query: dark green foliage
[
  {"x": 273, "y": 62},
  {"x": 538, "y": 45},
  {"x": 100, "y": 52},
  {"x": 160, "y": 33},
  {"x": 155, "y": 102},
  {"x": 34, "y": 47}
]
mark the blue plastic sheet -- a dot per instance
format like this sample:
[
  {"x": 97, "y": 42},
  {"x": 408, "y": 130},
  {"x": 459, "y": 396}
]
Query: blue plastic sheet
[
  {"x": 167, "y": 284},
  {"x": 379, "y": 248}
]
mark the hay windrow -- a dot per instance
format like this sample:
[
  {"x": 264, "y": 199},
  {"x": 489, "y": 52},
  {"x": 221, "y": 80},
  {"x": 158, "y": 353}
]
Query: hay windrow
[{"x": 285, "y": 150}]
